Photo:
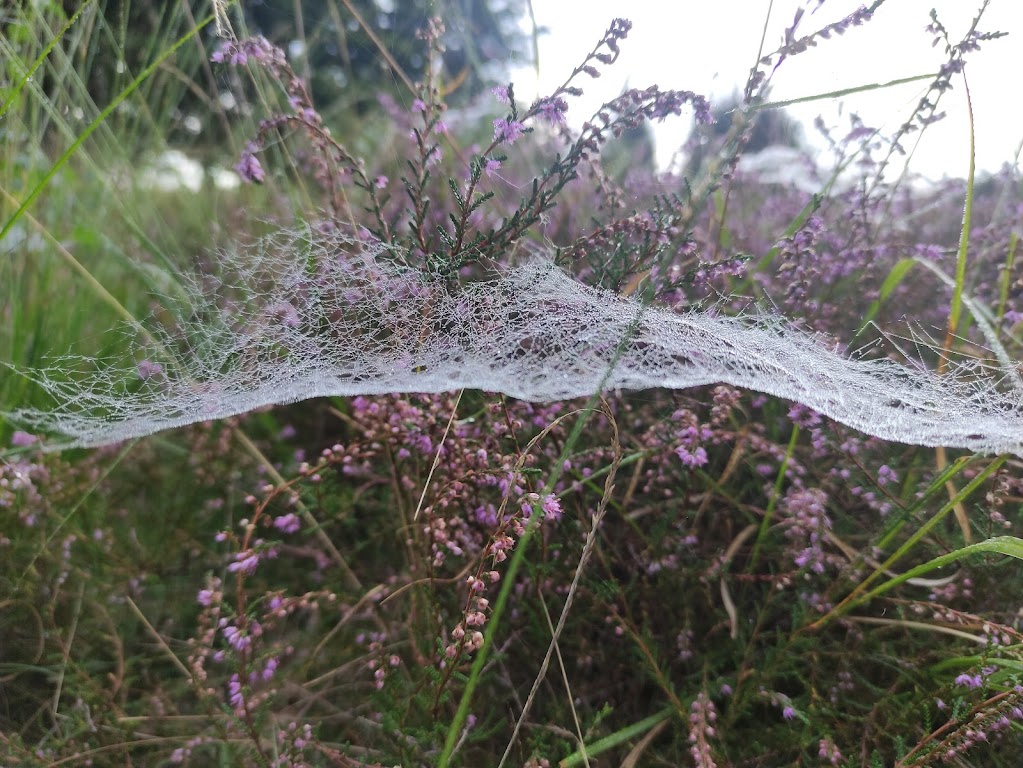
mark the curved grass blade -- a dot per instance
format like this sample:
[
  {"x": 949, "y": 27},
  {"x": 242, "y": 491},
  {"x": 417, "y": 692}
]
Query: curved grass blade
[{"x": 617, "y": 738}]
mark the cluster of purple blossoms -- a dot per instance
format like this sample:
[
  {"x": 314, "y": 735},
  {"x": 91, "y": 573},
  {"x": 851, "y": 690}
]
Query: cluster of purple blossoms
[
  {"x": 977, "y": 679},
  {"x": 806, "y": 526},
  {"x": 258, "y": 49},
  {"x": 689, "y": 450},
  {"x": 236, "y": 695},
  {"x": 985, "y": 726},
  {"x": 181, "y": 754},
  {"x": 248, "y": 166},
  {"x": 289, "y": 523},
  {"x": 247, "y": 560},
  {"x": 552, "y": 109},
  {"x": 702, "y": 715},
  {"x": 829, "y": 752},
  {"x": 240, "y": 639}
]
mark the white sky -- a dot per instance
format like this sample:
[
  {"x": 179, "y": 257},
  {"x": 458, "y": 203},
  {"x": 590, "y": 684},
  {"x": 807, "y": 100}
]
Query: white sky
[{"x": 708, "y": 46}]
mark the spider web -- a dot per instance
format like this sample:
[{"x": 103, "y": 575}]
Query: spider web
[{"x": 306, "y": 313}]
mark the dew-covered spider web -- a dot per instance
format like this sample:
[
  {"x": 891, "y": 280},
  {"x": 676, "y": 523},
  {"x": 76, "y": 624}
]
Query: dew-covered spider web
[{"x": 307, "y": 313}]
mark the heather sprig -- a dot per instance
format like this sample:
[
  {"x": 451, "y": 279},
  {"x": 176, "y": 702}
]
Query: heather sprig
[{"x": 330, "y": 163}]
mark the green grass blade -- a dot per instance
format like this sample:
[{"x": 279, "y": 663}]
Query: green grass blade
[
  {"x": 1010, "y": 546},
  {"x": 830, "y": 95},
  {"x": 895, "y": 276},
  {"x": 617, "y": 739},
  {"x": 964, "y": 233}
]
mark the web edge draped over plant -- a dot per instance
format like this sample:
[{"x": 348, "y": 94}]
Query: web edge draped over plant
[{"x": 311, "y": 312}]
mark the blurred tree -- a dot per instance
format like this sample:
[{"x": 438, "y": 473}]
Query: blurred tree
[
  {"x": 755, "y": 132},
  {"x": 345, "y": 63},
  {"x": 327, "y": 42}
]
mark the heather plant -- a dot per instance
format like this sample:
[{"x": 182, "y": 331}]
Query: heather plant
[{"x": 702, "y": 574}]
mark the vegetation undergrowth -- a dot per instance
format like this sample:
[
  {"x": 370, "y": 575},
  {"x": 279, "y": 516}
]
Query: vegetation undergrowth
[{"x": 706, "y": 577}]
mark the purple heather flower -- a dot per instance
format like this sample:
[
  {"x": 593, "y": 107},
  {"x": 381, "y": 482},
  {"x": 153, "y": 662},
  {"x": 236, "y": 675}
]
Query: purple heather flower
[
  {"x": 501, "y": 93},
  {"x": 23, "y": 439},
  {"x": 147, "y": 369},
  {"x": 271, "y": 667},
  {"x": 236, "y": 638},
  {"x": 229, "y": 52},
  {"x": 803, "y": 416},
  {"x": 248, "y": 167},
  {"x": 788, "y": 712},
  {"x": 507, "y": 130},
  {"x": 553, "y": 110},
  {"x": 234, "y": 691},
  {"x": 969, "y": 681},
  {"x": 886, "y": 474},
  {"x": 288, "y": 523},
  {"x": 552, "y": 508},
  {"x": 418, "y": 105},
  {"x": 491, "y": 166},
  {"x": 694, "y": 458},
  {"x": 247, "y": 561}
]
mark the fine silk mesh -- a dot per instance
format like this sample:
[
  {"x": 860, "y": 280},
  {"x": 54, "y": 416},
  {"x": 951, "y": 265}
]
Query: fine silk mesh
[{"x": 304, "y": 314}]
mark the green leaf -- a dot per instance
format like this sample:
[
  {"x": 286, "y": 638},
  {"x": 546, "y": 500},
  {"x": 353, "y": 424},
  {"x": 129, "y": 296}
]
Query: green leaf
[
  {"x": 1010, "y": 546},
  {"x": 891, "y": 282},
  {"x": 617, "y": 738}
]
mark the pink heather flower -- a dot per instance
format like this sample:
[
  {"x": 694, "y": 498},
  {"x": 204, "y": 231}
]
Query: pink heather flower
[
  {"x": 230, "y": 52},
  {"x": 969, "y": 681},
  {"x": 553, "y": 110},
  {"x": 694, "y": 458},
  {"x": 147, "y": 369},
  {"x": 23, "y": 439},
  {"x": 501, "y": 93},
  {"x": 246, "y": 562},
  {"x": 886, "y": 474},
  {"x": 234, "y": 692},
  {"x": 552, "y": 508},
  {"x": 418, "y": 105},
  {"x": 507, "y": 130},
  {"x": 271, "y": 667},
  {"x": 828, "y": 751},
  {"x": 491, "y": 166},
  {"x": 205, "y": 597},
  {"x": 789, "y": 712},
  {"x": 380, "y": 182},
  {"x": 288, "y": 523},
  {"x": 236, "y": 638},
  {"x": 288, "y": 314},
  {"x": 248, "y": 167}
]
